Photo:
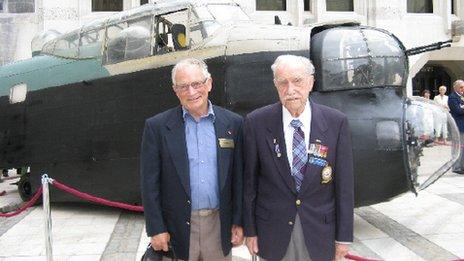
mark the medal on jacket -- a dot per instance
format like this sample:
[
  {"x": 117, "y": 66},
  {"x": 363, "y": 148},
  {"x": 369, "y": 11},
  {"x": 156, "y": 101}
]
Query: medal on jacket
[{"x": 326, "y": 174}]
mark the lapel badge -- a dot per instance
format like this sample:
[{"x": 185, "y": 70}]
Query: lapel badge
[
  {"x": 277, "y": 148},
  {"x": 326, "y": 175},
  {"x": 229, "y": 132},
  {"x": 318, "y": 141},
  {"x": 277, "y": 151}
]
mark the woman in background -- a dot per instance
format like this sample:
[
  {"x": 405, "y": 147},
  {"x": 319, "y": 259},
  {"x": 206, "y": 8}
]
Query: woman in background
[{"x": 441, "y": 127}]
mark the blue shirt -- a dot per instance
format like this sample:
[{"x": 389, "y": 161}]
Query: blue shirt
[{"x": 202, "y": 154}]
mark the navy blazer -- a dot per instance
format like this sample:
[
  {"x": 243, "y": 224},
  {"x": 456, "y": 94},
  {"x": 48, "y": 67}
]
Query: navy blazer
[
  {"x": 165, "y": 178},
  {"x": 454, "y": 103},
  {"x": 271, "y": 201}
]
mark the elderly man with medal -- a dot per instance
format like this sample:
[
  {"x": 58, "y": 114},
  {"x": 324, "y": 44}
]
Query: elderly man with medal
[{"x": 298, "y": 177}]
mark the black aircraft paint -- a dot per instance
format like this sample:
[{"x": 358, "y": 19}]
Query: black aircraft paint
[{"x": 87, "y": 134}]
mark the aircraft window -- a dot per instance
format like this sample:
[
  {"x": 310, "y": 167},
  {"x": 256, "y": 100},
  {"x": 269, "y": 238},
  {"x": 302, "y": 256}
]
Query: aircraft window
[
  {"x": 18, "y": 93},
  {"x": 209, "y": 18},
  {"x": 227, "y": 13},
  {"x": 126, "y": 41},
  {"x": 388, "y": 134},
  {"x": 431, "y": 132},
  {"x": 67, "y": 46},
  {"x": 171, "y": 33},
  {"x": 381, "y": 44},
  {"x": 348, "y": 58},
  {"x": 90, "y": 44},
  {"x": 345, "y": 44}
]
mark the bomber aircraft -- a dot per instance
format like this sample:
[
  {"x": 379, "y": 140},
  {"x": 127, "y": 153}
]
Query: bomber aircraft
[{"x": 76, "y": 109}]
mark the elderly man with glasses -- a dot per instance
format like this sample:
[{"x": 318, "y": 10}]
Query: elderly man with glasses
[{"x": 191, "y": 171}]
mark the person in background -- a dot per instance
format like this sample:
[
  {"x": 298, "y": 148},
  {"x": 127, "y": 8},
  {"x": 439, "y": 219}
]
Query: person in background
[
  {"x": 426, "y": 94},
  {"x": 441, "y": 124},
  {"x": 456, "y": 105}
]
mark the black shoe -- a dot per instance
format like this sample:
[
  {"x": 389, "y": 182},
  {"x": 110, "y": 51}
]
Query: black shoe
[{"x": 460, "y": 172}]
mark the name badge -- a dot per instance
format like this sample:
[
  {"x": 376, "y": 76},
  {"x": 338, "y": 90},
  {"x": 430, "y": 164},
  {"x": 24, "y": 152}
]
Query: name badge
[{"x": 226, "y": 143}]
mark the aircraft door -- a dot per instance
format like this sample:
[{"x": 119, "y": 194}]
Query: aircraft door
[{"x": 432, "y": 141}]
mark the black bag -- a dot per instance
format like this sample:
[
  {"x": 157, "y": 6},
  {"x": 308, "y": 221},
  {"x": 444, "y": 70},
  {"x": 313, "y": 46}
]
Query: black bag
[{"x": 152, "y": 255}]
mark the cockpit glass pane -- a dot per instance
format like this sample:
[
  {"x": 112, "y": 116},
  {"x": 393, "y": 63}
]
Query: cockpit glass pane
[
  {"x": 129, "y": 40},
  {"x": 432, "y": 140},
  {"x": 91, "y": 43},
  {"x": 227, "y": 13},
  {"x": 381, "y": 44},
  {"x": 67, "y": 46},
  {"x": 209, "y": 18},
  {"x": 344, "y": 44},
  {"x": 354, "y": 57}
]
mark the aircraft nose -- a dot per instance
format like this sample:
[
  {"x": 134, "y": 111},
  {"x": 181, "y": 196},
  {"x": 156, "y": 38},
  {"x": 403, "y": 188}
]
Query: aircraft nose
[{"x": 431, "y": 139}]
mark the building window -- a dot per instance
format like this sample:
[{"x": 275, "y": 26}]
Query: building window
[
  {"x": 17, "y": 6},
  {"x": 106, "y": 5},
  {"x": 420, "y": 6},
  {"x": 340, "y": 5},
  {"x": 453, "y": 7},
  {"x": 271, "y": 5},
  {"x": 307, "y": 5},
  {"x": 142, "y": 2}
]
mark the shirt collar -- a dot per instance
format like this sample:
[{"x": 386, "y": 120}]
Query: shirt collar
[
  {"x": 305, "y": 116},
  {"x": 210, "y": 113}
]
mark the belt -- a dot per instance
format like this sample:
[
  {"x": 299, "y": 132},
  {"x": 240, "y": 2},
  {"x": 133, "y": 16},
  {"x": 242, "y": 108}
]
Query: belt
[{"x": 204, "y": 212}]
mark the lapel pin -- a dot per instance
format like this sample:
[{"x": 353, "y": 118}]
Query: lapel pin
[
  {"x": 318, "y": 141},
  {"x": 277, "y": 150},
  {"x": 229, "y": 132}
]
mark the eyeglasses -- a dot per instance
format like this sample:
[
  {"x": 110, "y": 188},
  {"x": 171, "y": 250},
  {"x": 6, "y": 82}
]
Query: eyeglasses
[{"x": 195, "y": 85}]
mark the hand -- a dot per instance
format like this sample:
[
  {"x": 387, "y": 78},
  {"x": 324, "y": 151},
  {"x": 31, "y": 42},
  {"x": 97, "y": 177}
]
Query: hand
[
  {"x": 160, "y": 241},
  {"x": 252, "y": 244},
  {"x": 237, "y": 235},
  {"x": 341, "y": 250}
]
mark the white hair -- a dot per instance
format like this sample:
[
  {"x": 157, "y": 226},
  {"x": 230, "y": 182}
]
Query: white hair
[
  {"x": 293, "y": 59},
  {"x": 187, "y": 62},
  {"x": 457, "y": 84}
]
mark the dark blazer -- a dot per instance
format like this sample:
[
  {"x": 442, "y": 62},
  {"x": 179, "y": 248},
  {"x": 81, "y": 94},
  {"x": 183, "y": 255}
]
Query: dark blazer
[
  {"x": 271, "y": 200},
  {"x": 454, "y": 103},
  {"x": 166, "y": 183}
]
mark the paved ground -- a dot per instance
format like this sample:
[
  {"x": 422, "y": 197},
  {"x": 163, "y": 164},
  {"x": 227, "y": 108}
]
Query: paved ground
[{"x": 427, "y": 227}]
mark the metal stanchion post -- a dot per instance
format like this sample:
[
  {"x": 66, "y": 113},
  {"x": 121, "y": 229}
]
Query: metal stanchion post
[
  {"x": 254, "y": 258},
  {"x": 47, "y": 217}
]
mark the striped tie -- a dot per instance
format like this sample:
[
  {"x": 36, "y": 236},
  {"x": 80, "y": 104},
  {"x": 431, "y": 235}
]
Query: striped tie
[{"x": 299, "y": 153}]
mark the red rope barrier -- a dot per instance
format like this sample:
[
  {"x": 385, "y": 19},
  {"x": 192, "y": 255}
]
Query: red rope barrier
[
  {"x": 358, "y": 258},
  {"x": 94, "y": 199},
  {"x": 30, "y": 203}
]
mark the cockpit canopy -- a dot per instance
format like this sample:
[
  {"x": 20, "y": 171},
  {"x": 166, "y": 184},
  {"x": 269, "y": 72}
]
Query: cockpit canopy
[
  {"x": 151, "y": 29},
  {"x": 358, "y": 57}
]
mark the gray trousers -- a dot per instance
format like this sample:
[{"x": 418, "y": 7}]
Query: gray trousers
[
  {"x": 205, "y": 237},
  {"x": 296, "y": 250}
]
